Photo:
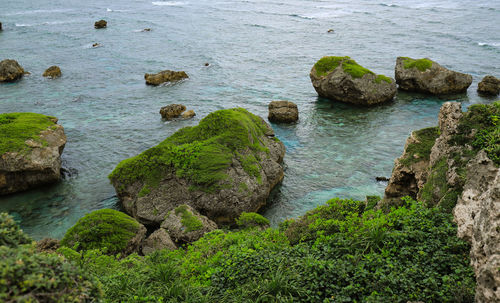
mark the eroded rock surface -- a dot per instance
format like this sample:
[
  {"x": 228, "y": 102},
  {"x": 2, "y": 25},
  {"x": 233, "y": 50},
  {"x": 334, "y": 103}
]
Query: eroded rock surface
[
  {"x": 164, "y": 76},
  {"x": 427, "y": 76},
  {"x": 100, "y": 24},
  {"x": 10, "y": 71},
  {"x": 159, "y": 239},
  {"x": 172, "y": 111},
  {"x": 53, "y": 72},
  {"x": 342, "y": 79},
  {"x": 283, "y": 111},
  {"x": 489, "y": 86},
  {"x": 186, "y": 225}
]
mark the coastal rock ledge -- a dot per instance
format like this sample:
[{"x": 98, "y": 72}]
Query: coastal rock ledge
[
  {"x": 226, "y": 165},
  {"x": 342, "y": 79},
  {"x": 427, "y": 76},
  {"x": 30, "y": 149}
]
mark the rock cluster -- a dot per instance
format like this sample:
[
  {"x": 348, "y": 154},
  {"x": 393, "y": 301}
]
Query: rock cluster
[
  {"x": 30, "y": 159},
  {"x": 489, "y": 86},
  {"x": 10, "y": 71},
  {"x": 53, "y": 72},
  {"x": 342, "y": 79},
  {"x": 100, "y": 24},
  {"x": 173, "y": 111},
  {"x": 226, "y": 165},
  {"x": 283, "y": 111},
  {"x": 164, "y": 76},
  {"x": 427, "y": 76}
]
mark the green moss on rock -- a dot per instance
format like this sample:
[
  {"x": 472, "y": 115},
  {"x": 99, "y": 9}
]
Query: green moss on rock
[
  {"x": 16, "y": 128},
  {"x": 188, "y": 220},
  {"x": 252, "y": 220},
  {"x": 436, "y": 186},
  {"x": 327, "y": 64},
  {"x": 201, "y": 153},
  {"x": 416, "y": 152},
  {"x": 105, "y": 228},
  {"x": 420, "y": 64}
]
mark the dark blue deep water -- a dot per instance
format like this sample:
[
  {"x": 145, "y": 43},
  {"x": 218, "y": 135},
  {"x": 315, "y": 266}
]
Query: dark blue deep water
[{"x": 258, "y": 51}]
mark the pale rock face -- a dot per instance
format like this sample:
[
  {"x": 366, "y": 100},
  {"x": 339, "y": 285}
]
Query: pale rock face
[
  {"x": 283, "y": 111},
  {"x": 478, "y": 218},
  {"x": 159, "y": 239},
  {"x": 436, "y": 80}
]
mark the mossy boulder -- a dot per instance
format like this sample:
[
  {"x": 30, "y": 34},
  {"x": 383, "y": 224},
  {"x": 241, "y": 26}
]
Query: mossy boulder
[
  {"x": 251, "y": 220},
  {"x": 10, "y": 71},
  {"x": 165, "y": 76},
  {"x": 53, "y": 72},
  {"x": 222, "y": 167},
  {"x": 343, "y": 79},
  {"x": 30, "y": 151},
  {"x": 109, "y": 230},
  {"x": 159, "y": 239},
  {"x": 427, "y": 76},
  {"x": 186, "y": 225}
]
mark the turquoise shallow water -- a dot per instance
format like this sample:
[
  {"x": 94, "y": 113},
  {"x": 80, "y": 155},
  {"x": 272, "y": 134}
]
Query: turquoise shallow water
[{"x": 258, "y": 51}]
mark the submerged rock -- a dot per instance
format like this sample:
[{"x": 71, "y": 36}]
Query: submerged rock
[
  {"x": 489, "y": 86},
  {"x": 164, "y": 76},
  {"x": 1, "y": 26},
  {"x": 159, "y": 239},
  {"x": 10, "y": 71},
  {"x": 53, "y": 72},
  {"x": 107, "y": 229},
  {"x": 172, "y": 111},
  {"x": 427, "y": 76},
  {"x": 30, "y": 151},
  {"x": 188, "y": 114},
  {"x": 226, "y": 165},
  {"x": 100, "y": 24},
  {"x": 146, "y": 30},
  {"x": 186, "y": 225},
  {"x": 283, "y": 111},
  {"x": 342, "y": 79}
]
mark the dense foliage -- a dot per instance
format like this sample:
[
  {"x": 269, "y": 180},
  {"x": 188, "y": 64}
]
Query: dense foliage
[
  {"x": 201, "y": 153},
  {"x": 339, "y": 252},
  {"x": 28, "y": 276},
  {"x": 16, "y": 128},
  {"x": 105, "y": 228},
  {"x": 246, "y": 220}
]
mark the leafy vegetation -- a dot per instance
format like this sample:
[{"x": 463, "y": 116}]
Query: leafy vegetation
[
  {"x": 104, "y": 229},
  {"x": 27, "y": 276},
  {"x": 420, "y": 64},
  {"x": 188, "y": 220},
  {"x": 480, "y": 128},
  {"x": 327, "y": 64},
  {"x": 16, "y": 128},
  {"x": 247, "y": 220},
  {"x": 421, "y": 150},
  {"x": 201, "y": 153},
  {"x": 339, "y": 252}
]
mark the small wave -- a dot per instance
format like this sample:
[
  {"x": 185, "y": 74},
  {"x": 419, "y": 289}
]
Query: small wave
[
  {"x": 322, "y": 15},
  {"x": 494, "y": 44},
  {"x": 40, "y": 11},
  {"x": 24, "y": 24},
  {"x": 389, "y": 5},
  {"x": 169, "y": 3},
  {"x": 109, "y": 10},
  {"x": 116, "y": 10}
]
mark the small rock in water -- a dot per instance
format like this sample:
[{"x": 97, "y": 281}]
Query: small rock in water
[
  {"x": 330, "y": 31},
  {"x": 172, "y": 111},
  {"x": 489, "y": 86},
  {"x": 53, "y": 72},
  {"x": 207, "y": 64},
  {"x": 0, "y": 26},
  {"x": 164, "y": 76},
  {"x": 10, "y": 71},
  {"x": 146, "y": 30},
  {"x": 96, "y": 45},
  {"x": 100, "y": 24},
  {"x": 283, "y": 111},
  {"x": 382, "y": 179},
  {"x": 188, "y": 114}
]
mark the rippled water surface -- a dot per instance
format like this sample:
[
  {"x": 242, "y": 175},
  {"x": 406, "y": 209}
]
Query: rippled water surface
[{"x": 258, "y": 51}]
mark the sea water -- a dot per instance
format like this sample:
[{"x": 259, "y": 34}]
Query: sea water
[{"x": 258, "y": 51}]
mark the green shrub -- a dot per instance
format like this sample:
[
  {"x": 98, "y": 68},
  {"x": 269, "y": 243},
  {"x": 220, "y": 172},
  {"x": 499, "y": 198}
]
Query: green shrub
[
  {"x": 252, "y": 220},
  {"x": 16, "y": 128},
  {"x": 102, "y": 229},
  {"x": 201, "y": 153},
  {"x": 188, "y": 220},
  {"x": 10, "y": 233}
]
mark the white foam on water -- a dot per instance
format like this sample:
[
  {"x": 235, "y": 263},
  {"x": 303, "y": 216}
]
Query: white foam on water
[
  {"x": 169, "y": 3},
  {"x": 494, "y": 44}
]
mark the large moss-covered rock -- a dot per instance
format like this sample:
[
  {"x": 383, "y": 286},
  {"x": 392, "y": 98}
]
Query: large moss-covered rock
[
  {"x": 106, "y": 229},
  {"x": 226, "y": 165},
  {"x": 10, "y": 71},
  {"x": 342, "y": 79},
  {"x": 427, "y": 76},
  {"x": 30, "y": 149}
]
